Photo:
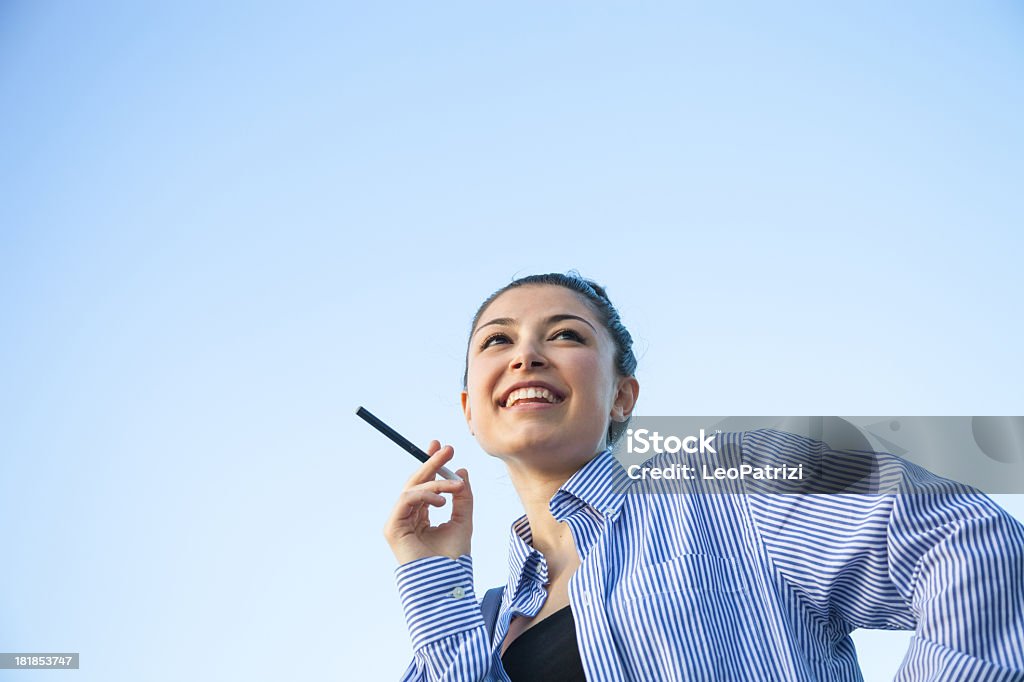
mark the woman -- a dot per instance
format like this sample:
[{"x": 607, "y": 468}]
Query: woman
[{"x": 605, "y": 585}]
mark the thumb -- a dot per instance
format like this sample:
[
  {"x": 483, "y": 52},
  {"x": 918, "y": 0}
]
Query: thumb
[{"x": 462, "y": 501}]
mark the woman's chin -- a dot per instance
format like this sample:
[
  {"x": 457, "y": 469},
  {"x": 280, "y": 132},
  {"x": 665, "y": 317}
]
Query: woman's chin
[{"x": 530, "y": 443}]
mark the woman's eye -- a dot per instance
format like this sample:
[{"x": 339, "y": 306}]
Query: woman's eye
[
  {"x": 503, "y": 338},
  {"x": 492, "y": 337},
  {"x": 568, "y": 333}
]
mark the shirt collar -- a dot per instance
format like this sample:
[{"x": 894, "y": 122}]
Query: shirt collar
[
  {"x": 600, "y": 484},
  {"x": 524, "y": 562}
]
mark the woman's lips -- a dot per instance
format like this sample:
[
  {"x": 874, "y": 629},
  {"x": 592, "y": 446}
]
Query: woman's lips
[{"x": 529, "y": 406}]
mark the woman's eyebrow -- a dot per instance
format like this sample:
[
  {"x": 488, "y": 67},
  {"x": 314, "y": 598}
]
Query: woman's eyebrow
[{"x": 510, "y": 322}]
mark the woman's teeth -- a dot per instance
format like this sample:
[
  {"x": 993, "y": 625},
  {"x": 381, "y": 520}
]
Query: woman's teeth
[
  {"x": 536, "y": 394},
  {"x": 531, "y": 392}
]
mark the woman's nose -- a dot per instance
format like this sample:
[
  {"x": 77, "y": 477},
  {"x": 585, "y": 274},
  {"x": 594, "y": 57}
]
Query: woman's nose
[{"x": 528, "y": 357}]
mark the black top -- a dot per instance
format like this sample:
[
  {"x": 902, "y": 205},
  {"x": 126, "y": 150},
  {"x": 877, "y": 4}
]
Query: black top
[{"x": 546, "y": 651}]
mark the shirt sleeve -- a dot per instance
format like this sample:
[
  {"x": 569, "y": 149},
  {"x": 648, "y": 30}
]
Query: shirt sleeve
[
  {"x": 449, "y": 636},
  {"x": 936, "y": 557}
]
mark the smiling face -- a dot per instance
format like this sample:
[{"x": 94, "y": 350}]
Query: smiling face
[{"x": 541, "y": 382}]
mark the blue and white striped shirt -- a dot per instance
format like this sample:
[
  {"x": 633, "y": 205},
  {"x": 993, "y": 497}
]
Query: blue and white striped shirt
[{"x": 745, "y": 586}]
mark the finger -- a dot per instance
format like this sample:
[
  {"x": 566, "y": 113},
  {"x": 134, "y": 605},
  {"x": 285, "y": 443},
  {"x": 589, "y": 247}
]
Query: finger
[
  {"x": 422, "y": 519},
  {"x": 426, "y": 497},
  {"x": 428, "y": 470},
  {"x": 411, "y": 502},
  {"x": 462, "y": 500},
  {"x": 440, "y": 485}
]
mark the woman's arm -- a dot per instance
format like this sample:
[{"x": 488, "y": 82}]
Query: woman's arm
[
  {"x": 449, "y": 636},
  {"x": 435, "y": 575},
  {"x": 958, "y": 561},
  {"x": 937, "y": 558}
]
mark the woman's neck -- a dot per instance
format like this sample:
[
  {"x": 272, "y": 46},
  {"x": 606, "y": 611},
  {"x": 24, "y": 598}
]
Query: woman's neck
[{"x": 551, "y": 538}]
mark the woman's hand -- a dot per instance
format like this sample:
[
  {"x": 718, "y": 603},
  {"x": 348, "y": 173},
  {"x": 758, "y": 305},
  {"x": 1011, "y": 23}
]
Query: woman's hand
[{"x": 408, "y": 529}]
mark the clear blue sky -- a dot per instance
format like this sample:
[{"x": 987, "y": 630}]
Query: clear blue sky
[{"x": 224, "y": 227}]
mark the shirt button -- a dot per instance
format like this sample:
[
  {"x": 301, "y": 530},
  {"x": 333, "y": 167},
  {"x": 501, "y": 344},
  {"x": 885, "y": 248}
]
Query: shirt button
[
  {"x": 585, "y": 598},
  {"x": 458, "y": 592}
]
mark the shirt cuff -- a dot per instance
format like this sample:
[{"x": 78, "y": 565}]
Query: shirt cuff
[{"x": 438, "y": 598}]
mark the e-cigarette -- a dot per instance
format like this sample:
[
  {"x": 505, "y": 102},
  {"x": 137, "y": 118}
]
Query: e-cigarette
[{"x": 402, "y": 441}]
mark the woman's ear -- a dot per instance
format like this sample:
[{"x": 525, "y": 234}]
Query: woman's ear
[
  {"x": 626, "y": 393},
  {"x": 467, "y": 412}
]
